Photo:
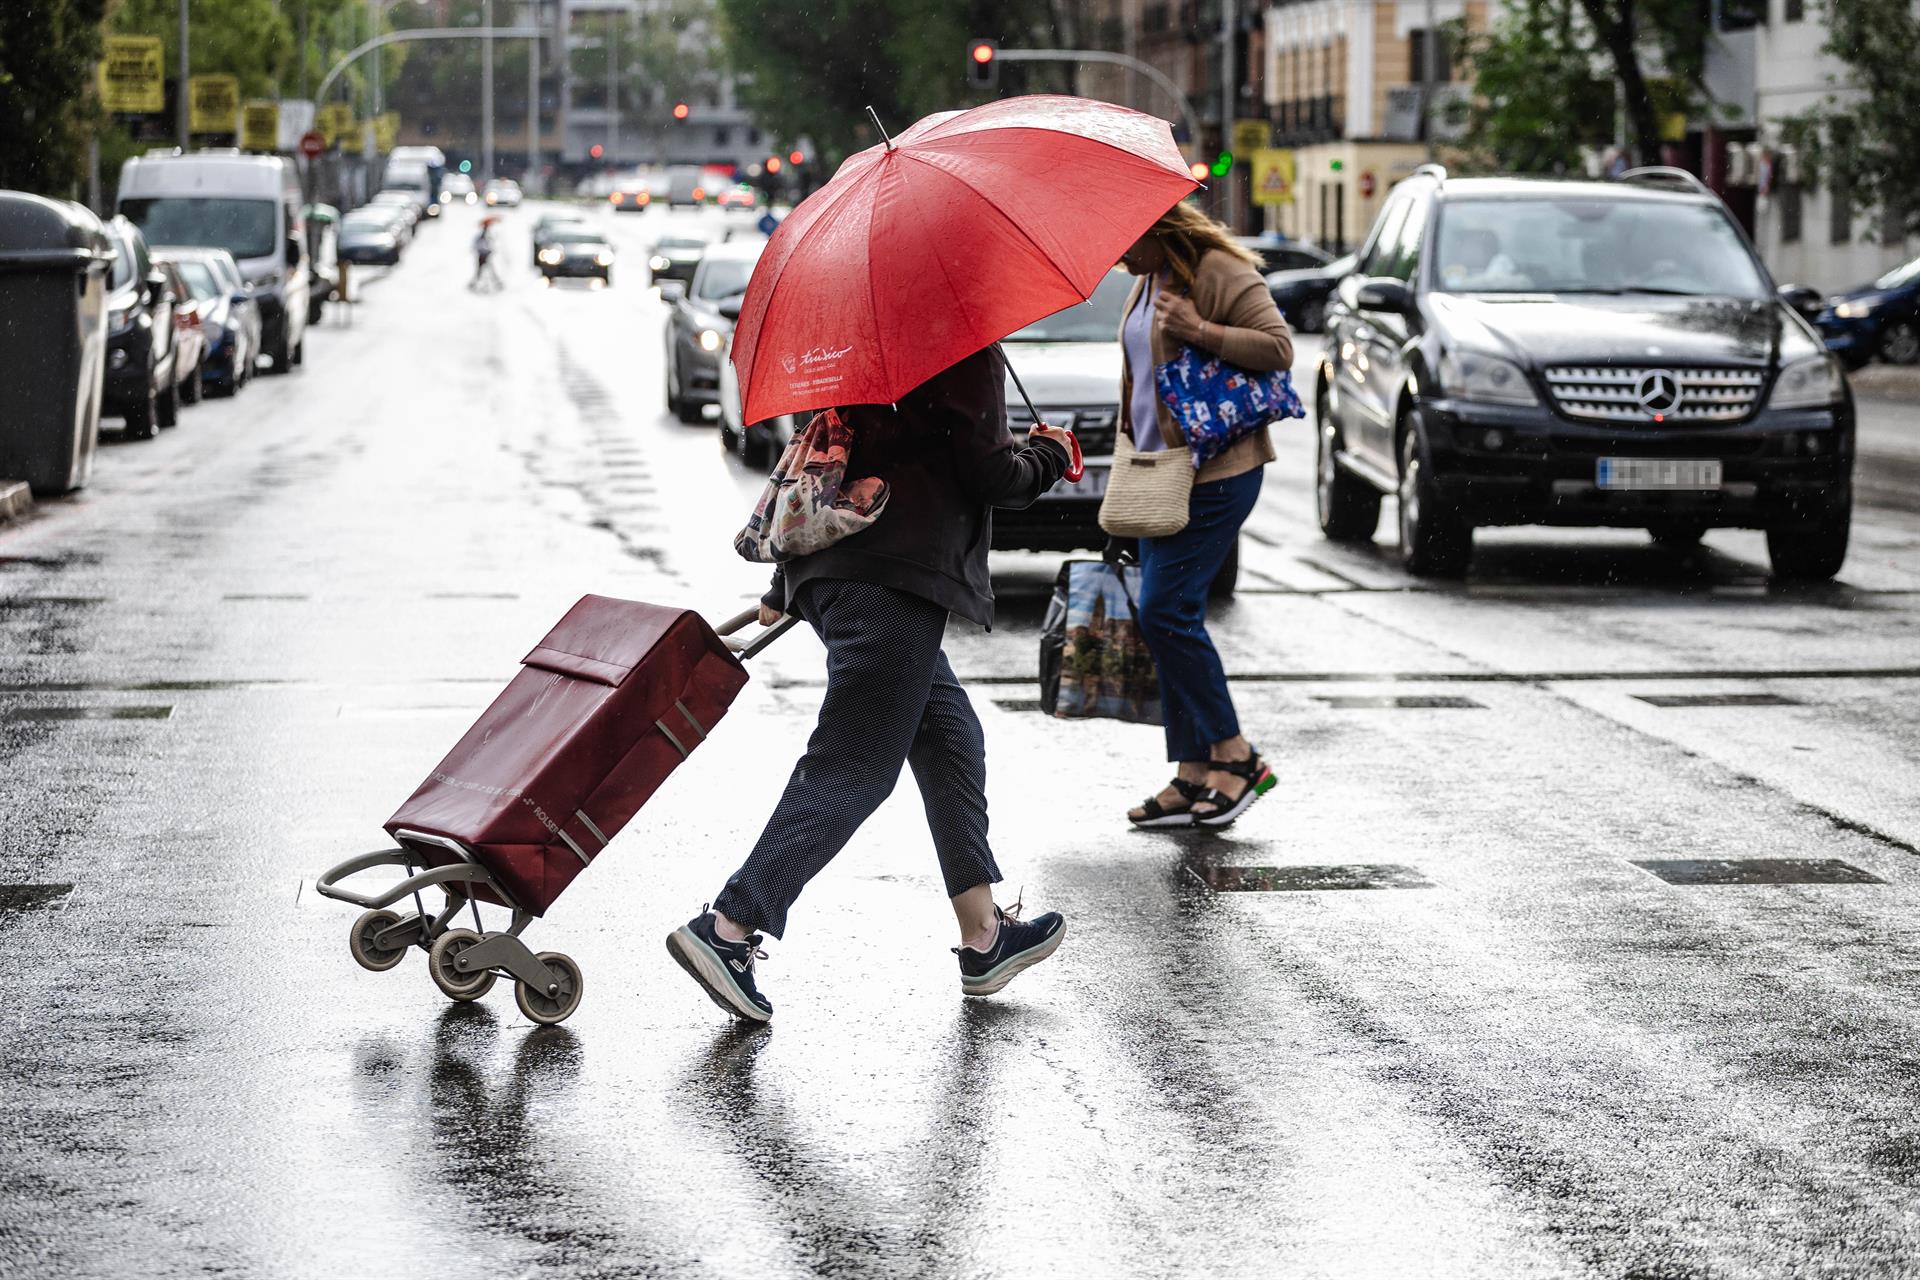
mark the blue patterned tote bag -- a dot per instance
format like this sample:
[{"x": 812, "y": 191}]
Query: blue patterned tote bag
[{"x": 1216, "y": 403}]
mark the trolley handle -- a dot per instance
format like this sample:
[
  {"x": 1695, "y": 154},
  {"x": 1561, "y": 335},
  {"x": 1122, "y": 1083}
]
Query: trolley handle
[{"x": 749, "y": 648}]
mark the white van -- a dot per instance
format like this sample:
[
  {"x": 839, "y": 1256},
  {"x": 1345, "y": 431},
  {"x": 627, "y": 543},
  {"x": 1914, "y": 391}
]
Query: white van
[
  {"x": 418, "y": 171},
  {"x": 248, "y": 205}
]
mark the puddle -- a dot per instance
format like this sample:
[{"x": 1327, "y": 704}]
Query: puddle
[{"x": 1719, "y": 871}]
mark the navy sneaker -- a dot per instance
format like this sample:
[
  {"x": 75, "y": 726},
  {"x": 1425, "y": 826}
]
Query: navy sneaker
[
  {"x": 724, "y": 968},
  {"x": 1018, "y": 946}
]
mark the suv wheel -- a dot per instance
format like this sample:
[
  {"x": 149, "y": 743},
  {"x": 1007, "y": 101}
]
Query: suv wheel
[
  {"x": 1901, "y": 343},
  {"x": 1434, "y": 542},
  {"x": 1814, "y": 548},
  {"x": 1347, "y": 506}
]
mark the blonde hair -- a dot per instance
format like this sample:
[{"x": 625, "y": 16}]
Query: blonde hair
[{"x": 1187, "y": 234}]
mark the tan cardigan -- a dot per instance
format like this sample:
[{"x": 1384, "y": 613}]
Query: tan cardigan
[{"x": 1228, "y": 292}]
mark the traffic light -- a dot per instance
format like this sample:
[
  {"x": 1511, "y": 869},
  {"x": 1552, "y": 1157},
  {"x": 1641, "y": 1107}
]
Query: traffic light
[
  {"x": 680, "y": 111},
  {"x": 1199, "y": 170},
  {"x": 466, "y": 166},
  {"x": 596, "y": 151},
  {"x": 1223, "y": 164},
  {"x": 797, "y": 159},
  {"x": 983, "y": 66},
  {"x": 773, "y": 164}
]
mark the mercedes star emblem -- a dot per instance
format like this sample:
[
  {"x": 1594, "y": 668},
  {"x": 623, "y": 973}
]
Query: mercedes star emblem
[{"x": 1659, "y": 392}]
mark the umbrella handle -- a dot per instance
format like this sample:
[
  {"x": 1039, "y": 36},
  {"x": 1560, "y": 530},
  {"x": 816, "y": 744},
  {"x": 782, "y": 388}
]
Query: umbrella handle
[{"x": 1076, "y": 465}]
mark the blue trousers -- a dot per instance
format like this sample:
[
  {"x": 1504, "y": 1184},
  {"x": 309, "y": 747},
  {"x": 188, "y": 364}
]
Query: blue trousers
[
  {"x": 891, "y": 700},
  {"x": 1175, "y": 575}
]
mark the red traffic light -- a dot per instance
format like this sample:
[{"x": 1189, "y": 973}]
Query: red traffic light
[
  {"x": 982, "y": 52},
  {"x": 679, "y": 111},
  {"x": 796, "y": 158},
  {"x": 596, "y": 151},
  {"x": 773, "y": 164}
]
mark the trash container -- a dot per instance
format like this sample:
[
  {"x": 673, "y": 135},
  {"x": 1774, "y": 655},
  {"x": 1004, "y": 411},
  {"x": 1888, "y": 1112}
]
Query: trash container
[{"x": 54, "y": 259}]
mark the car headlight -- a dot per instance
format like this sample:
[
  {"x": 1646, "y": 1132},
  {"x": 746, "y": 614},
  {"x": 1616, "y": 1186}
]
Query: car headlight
[
  {"x": 1469, "y": 375},
  {"x": 1813, "y": 383},
  {"x": 1857, "y": 310},
  {"x": 552, "y": 256},
  {"x": 658, "y": 263},
  {"x": 604, "y": 259},
  {"x": 709, "y": 340}
]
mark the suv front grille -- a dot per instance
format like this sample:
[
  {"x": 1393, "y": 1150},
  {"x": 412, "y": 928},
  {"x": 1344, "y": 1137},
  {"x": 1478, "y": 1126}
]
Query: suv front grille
[
  {"x": 1653, "y": 394},
  {"x": 1094, "y": 427}
]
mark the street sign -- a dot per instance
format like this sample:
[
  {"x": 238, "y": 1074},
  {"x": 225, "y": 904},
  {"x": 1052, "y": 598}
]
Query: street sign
[
  {"x": 768, "y": 224},
  {"x": 1250, "y": 136},
  {"x": 1367, "y": 184},
  {"x": 213, "y": 104},
  {"x": 335, "y": 121},
  {"x": 1406, "y": 108},
  {"x": 313, "y": 144},
  {"x": 386, "y": 130},
  {"x": 260, "y": 125},
  {"x": 133, "y": 75},
  {"x": 1273, "y": 172}
]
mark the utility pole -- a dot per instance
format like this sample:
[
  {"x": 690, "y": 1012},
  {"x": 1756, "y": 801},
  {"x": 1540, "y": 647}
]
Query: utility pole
[
  {"x": 180, "y": 104},
  {"x": 613, "y": 89},
  {"x": 370, "y": 141},
  {"x": 486, "y": 89},
  {"x": 1229, "y": 207},
  {"x": 1431, "y": 72},
  {"x": 533, "y": 99}
]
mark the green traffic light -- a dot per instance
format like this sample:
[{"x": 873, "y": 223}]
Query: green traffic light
[{"x": 466, "y": 166}]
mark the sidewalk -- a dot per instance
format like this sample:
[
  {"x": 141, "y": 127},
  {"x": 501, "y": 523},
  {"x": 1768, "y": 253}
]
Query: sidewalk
[{"x": 1887, "y": 382}]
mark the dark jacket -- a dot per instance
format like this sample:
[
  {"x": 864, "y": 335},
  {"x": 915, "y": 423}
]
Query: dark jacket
[{"x": 948, "y": 460}]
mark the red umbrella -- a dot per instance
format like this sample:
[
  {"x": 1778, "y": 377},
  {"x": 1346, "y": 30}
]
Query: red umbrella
[{"x": 927, "y": 248}]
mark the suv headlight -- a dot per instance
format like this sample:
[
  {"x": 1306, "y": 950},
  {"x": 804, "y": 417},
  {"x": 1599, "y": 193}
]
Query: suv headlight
[
  {"x": 1813, "y": 383},
  {"x": 709, "y": 340},
  {"x": 1469, "y": 375}
]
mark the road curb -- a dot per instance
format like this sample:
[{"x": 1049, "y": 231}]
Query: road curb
[{"x": 16, "y": 500}]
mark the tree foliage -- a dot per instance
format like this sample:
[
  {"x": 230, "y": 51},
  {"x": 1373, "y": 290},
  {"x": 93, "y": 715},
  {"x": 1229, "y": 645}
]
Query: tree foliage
[
  {"x": 1545, "y": 75},
  {"x": 1866, "y": 142},
  {"x": 813, "y": 69},
  {"x": 47, "y": 53}
]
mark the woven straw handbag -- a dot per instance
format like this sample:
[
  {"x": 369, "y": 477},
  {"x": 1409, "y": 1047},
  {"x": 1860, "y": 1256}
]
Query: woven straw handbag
[{"x": 1148, "y": 494}]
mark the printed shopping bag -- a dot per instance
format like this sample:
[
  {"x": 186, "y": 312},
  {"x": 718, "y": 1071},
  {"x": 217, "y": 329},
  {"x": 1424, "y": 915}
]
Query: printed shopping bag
[
  {"x": 1215, "y": 403},
  {"x": 809, "y": 503},
  {"x": 1093, "y": 660}
]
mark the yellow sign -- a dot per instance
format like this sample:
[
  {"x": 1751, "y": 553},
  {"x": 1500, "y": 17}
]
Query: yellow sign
[
  {"x": 386, "y": 130},
  {"x": 213, "y": 104},
  {"x": 1273, "y": 176},
  {"x": 1673, "y": 126},
  {"x": 133, "y": 74},
  {"x": 335, "y": 119},
  {"x": 1250, "y": 136},
  {"x": 260, "y": 126}
]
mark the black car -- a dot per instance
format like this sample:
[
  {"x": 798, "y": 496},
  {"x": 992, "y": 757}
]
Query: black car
[
  {"x": 700, "y": 323},
  {"x": 142, "y": 383},
  {"x": 1302, "y": 293},
  {"x": 1277, "y": 253},
  {"x": 676, "y": 258},
  {"x": 577, "y": 253},
  {"x": 1518, "y": 351},
  {"x": 369, "y": 238}
]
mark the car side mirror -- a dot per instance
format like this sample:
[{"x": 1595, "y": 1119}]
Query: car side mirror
[
  {"x": 672, "y": 290},
  {"x": 729, "y": 309},
  {"x": 293, "y": 251},
  {"x": 1389, "y": 296}
]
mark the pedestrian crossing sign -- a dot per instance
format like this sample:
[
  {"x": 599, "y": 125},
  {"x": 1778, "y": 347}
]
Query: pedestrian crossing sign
[{"x": 1273, "y": 176}]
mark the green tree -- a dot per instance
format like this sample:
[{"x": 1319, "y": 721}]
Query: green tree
[
  {"x": 1865, "y": 143},
  {"x": 47, "y": 55}
]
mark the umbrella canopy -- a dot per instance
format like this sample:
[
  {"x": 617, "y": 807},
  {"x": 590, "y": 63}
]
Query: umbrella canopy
[{"x": 927, "y": 248}]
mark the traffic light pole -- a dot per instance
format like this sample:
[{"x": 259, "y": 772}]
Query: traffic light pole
[
  {"x": 420, "y": 33},
  {"x": 1151, "y": 72}
]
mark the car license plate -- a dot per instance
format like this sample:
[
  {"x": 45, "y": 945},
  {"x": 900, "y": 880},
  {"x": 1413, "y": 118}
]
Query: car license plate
[
  {"x": 1658, "y": 473},
  {"x": 1091, "y": 484}
]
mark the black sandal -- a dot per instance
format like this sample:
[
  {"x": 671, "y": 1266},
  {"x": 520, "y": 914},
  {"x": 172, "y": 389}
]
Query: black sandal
[
  {"x": 1260, "y": 780},
  {"x": 1158, "y": 815}
]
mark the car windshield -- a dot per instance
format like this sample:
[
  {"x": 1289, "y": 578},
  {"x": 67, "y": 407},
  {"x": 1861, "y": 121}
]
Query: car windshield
[
  {"x": 1900, "y": 277},
  {"x": 577, "y": 236},
  {"x": 200, "y": 281},
  {"x": 1585, "y": 245},
  {"x": 1095, "y": 320},
  {"x": 244, "y": 228},
  {"x": 724, "y": 279}
]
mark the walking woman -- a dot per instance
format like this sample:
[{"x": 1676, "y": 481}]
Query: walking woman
[
  {"x": 1197, "y": 288},
  {"x": 879, "y": 601}
]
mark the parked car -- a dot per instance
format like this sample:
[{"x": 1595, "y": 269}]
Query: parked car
[
  {"x": 189, "y": 336},
  {"x": 229, "y": 319},
  {"x": 1277, "y": 253},
  {"x": 675, "y": 258},
  {"x": 699, "y": 323},
  {"x": 630, "y": 197},
  {"x": 1518, "y": 351},
  {"x": 546, "y": 224},
  {"x": 406, "y": 200},
  {"x": 504, "y": 192},
  {"x": 143, "y": 379},
  {"x": 1882, "y": 318},
  {"x": 248, "y": 205},
  {"x": 577, "y": 252},
  {"x": 369, "y": 238},
  {"x": 1302, "y": 294}
]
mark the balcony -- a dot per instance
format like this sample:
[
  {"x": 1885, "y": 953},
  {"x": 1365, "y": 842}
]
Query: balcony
[{"x": 1303, "y": 121}]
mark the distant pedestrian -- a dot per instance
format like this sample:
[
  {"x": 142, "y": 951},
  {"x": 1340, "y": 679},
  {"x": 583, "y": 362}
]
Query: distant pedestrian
[
  {"x": 1198, "y": 287},
  {"x": 483, "y": 268},
  {"x": 879, "y": 600}
]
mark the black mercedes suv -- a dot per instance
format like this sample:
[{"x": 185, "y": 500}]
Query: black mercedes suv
[{"x": 1527, "y": 351}]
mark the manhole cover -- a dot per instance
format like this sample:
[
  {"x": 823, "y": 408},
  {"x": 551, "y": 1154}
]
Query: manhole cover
[
  {"x": 89, "y": 713},
  {"x": 1716, "y": 700},
  {"x": 1710, "y": 871},
  {"x": 1302, "y": 879},
  {"x": 1398, "y": 701}
]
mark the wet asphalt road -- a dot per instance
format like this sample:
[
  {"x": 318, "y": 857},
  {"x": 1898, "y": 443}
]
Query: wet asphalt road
[{"x": 1423, "y": 1013}]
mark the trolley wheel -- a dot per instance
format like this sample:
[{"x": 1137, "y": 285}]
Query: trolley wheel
[
  {"x": 368, "y": 953},
  {"x": 440, "y": 964},
  {"x": 558, "y": 1007}
]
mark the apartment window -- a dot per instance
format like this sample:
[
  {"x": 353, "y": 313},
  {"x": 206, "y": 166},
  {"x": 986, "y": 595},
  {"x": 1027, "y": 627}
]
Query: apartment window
[
  {"x": 1417, "y": 59},
  {"x": 1787, "y": 201},
  {"x": 1156, "y": 17},
  {"x": 721, "y": 137},
  {"x": 1839, "y": 214},
  {"x": 1794, "y": 10}
]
